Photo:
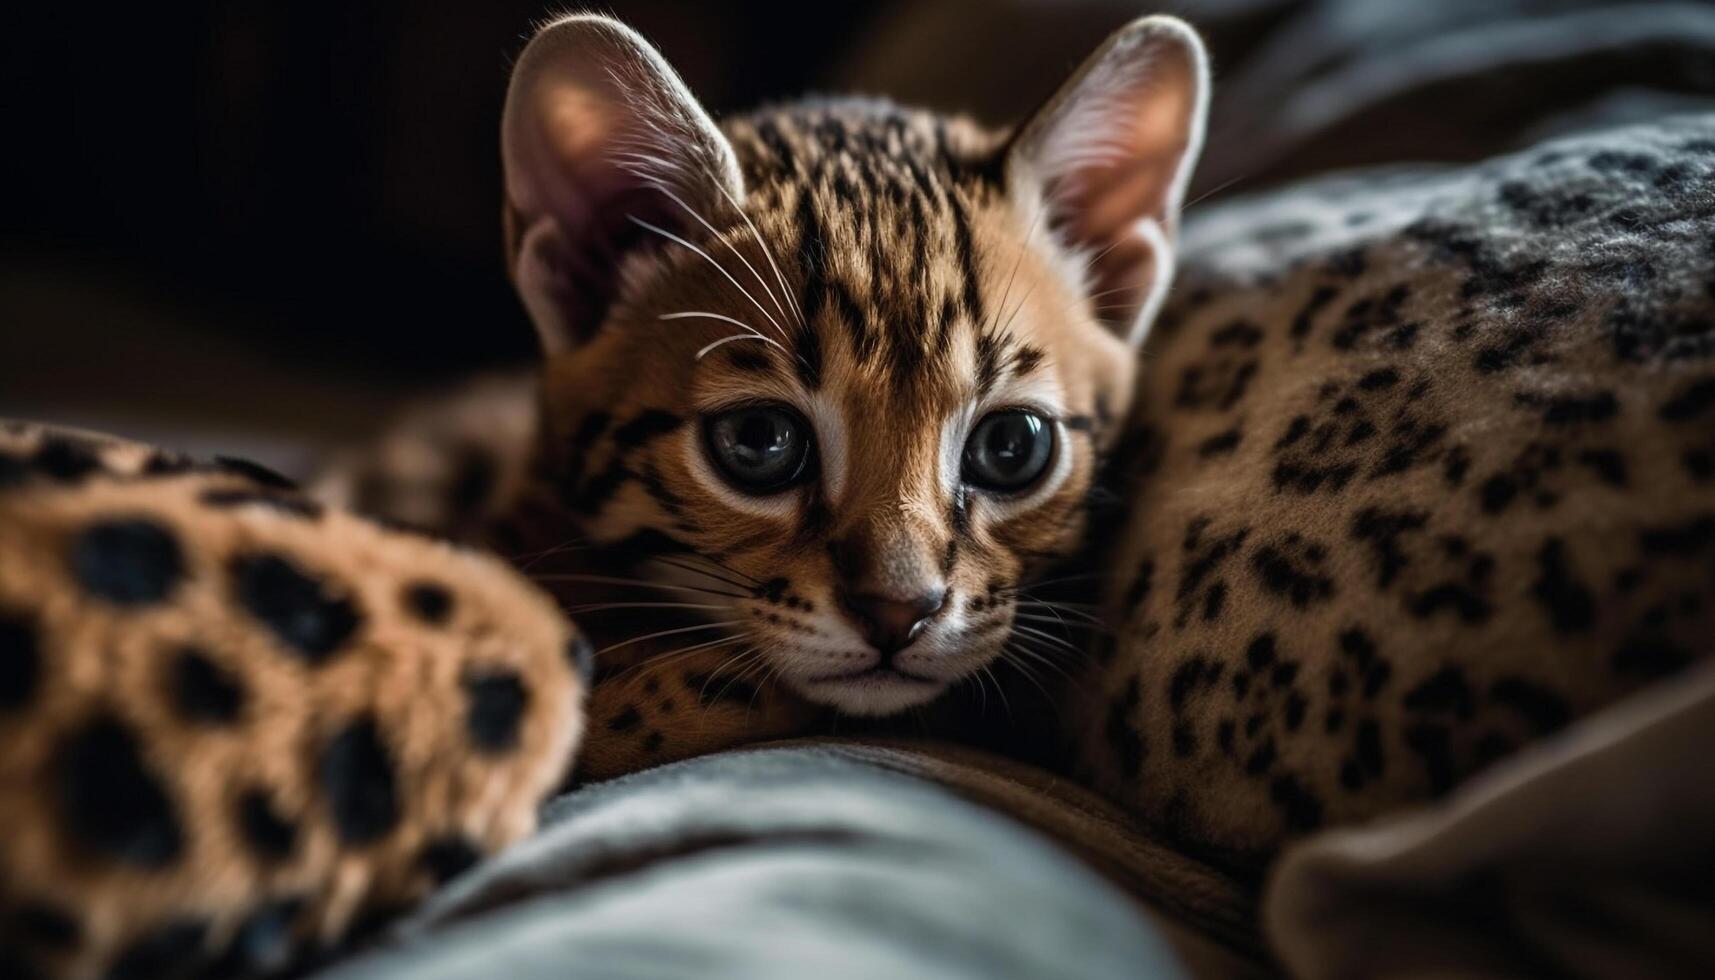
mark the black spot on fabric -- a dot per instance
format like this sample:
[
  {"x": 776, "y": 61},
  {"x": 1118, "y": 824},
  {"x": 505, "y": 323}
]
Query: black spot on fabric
[
  {"x": 202, "y": 690},
  {"x": 1570, "y": 605},
  {"x": 262, "y": 945},
  {"x": 1262, "y": 759},
  {"x": 1283, "y": 674},
  {"x": 41, "y": 926},
  {"x": 1433, "y": 746},
  {"x": 1261, "y": 652},
  {"x": 1224, "y": 734},
  {"x": 1379, "y": 379},
  {"x": 445, "y": 858},
  {"x": 130, "y": 561},
  {"x": 255, "y": 472},
  {"x": 1187, "y": 678},
  {"x": 1300, "y": 807},
  {"x": 1213, "y": 600},
  {"x": 1686, "y": 540},
  {"x": 1369, "y": 747},
  {"x": 1383, "y": 530},
  {"x": 227, "y": 498},
  {"x": 1450, "y": 597},
  {"x": 1546, "y": 711},
  {"x": 1220, "y": 444},
  {"x": 1293, "y": 711},
  {"x": 356, "y": 775},
  {"x": 1608, "y": 465},
  {"x": 1239, "y": 333},
  {"x": 1184, "y": 740},
  {"x": 1691, "y": 402},
  {"x": 497, "y": 702},
  {"x": 1280, "y": 576},
  {"x": 262, "y": 827},
  {"x": 1649, "y": 657},
  {"x": 1599, "y": 407},
  {"x": 1373, "y": 670},
  {"x": 65, "y": 460},
  {"x": 1445, "y": 691},
  {"x": 712, "y": 690},
  {"x": 172, "y": 950},
  {"x": 430, "y": 602},
  {"x": 1304, "y": 320},
  {"x": 109, "y": 799},
  {"x": 20, "y": 661},
  {"x": 299, "y": 608},
  {"x": 582, "y": 657},
  {"x": 1122, "y": 738}
]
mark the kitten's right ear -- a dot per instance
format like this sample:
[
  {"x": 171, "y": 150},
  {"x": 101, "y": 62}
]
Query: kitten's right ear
[
  {"x": 598, "y": 135},
  {"x": 1112, "y": 152}
]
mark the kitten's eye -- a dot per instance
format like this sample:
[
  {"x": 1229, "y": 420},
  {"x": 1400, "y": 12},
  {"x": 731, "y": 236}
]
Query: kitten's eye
[
  {"x": 760, "y": 449},
  {"x": 1008, "y": 451}
]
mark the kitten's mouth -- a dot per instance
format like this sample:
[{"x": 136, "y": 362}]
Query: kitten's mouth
[{"x": 877, "y": 674}]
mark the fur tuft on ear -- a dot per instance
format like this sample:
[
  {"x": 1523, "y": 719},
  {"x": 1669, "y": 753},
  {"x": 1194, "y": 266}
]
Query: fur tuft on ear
[
  {"x": 599, "y": 136},
  {"x": 1111, "y": 154}
]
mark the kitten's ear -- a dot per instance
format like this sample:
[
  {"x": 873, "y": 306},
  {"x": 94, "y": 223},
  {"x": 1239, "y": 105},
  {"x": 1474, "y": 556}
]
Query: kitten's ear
[
  {"x": 599, "y": 134},
  {"x": 1112, "y": 152}
]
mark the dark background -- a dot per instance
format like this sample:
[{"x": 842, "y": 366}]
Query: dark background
[{"x": 250, "y": 225}]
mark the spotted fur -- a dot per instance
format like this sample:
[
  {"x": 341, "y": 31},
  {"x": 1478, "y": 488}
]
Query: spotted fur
[
  {"x": 1428, "y": 480},
  {"x": 235, "y": 724}
]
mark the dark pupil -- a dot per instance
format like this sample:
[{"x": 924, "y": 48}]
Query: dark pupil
[
  {"x": 759, "y": 441},
  {"x": 1010, "y": 443}
]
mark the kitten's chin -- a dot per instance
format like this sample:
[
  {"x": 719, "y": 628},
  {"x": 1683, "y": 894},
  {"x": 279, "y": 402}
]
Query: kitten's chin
[{"x": 875, "y": 694}]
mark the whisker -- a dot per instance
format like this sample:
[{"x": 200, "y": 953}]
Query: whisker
[
  {"x": 672, "y": 632},
  {"x": 663, "y": 659},
  {"x": 694, "y": 570},
  {"x": 640, "y": 583},
  {"x": 605, "y": 606},
  {"x": 711, "y": 260},
  {"x": 1097, "y": 627},
  {"x": 1055, "y": 609},
  {"x": 703, "y": 351},
  {"x": 1048, "y": 637},
  {"x": 734, "y": 248},
  {"x": 767, "y": 253}
]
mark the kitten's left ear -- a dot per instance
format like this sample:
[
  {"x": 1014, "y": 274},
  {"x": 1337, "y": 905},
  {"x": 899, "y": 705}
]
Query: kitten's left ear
[{"x": 1111, "y": 154}]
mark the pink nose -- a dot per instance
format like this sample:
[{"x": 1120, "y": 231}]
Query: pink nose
[{"x": 890, "y": 624}]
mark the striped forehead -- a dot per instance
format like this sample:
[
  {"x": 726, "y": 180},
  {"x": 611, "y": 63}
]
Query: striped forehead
[{"x": 873, "y": 207}]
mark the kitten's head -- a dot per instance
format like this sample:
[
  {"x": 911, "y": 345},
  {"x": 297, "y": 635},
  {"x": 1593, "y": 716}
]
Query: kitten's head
[{"x": 865, "y": 359}]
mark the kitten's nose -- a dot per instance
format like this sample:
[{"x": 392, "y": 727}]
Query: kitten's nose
[{"x": 890, "y": 624}]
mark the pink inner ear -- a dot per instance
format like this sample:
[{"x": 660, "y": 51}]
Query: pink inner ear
[
  {"x": 596, "y": 125},
  {"x": 1113, "y": 152}
]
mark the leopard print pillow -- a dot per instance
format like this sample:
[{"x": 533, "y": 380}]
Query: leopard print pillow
[
  {"x": 235, "y": 725},
  {"x": 1430, "y": 473}
]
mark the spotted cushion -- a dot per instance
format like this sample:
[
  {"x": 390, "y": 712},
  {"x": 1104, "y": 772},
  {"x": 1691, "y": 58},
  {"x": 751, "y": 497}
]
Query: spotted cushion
[{"x": 235, "y": 725}]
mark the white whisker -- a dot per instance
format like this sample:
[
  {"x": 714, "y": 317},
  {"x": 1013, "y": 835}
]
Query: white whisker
[
  {"x": 718, "y": 267},
  {"x": 704, "y": 222},
  {"x": 672, "y": 632}
]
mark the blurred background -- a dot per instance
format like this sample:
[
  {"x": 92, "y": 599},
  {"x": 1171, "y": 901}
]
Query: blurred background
[{"x": 258, "y": 224}]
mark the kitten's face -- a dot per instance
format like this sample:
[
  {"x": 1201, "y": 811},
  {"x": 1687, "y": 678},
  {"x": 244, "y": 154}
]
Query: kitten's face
[{"x": 866, "y": 377}]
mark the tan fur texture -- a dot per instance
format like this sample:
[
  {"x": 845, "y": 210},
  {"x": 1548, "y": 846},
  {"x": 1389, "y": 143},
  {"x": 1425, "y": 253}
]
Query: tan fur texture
[{"x": 236, "y": 722}]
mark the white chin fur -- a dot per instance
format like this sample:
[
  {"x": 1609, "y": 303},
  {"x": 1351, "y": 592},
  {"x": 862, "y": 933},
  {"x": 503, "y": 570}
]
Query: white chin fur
[{"x": 875, "y": 698}]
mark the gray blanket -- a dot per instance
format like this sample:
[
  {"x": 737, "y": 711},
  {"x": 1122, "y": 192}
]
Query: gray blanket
[{"x": 822, "y": 861}]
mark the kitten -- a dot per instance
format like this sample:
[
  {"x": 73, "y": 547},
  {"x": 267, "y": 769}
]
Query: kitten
[{"x": 856, "y": 364}]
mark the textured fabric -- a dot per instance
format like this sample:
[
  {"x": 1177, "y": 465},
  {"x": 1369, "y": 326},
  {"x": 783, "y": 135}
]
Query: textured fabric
[
  {"x": 800, "y": 861},
  {"x": 1590, "y": 857}
]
